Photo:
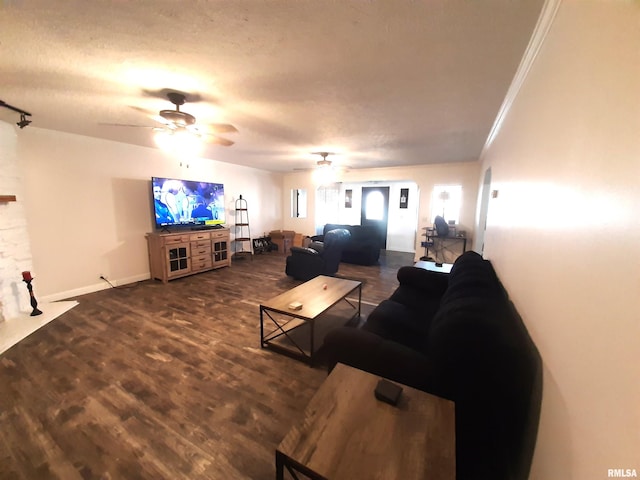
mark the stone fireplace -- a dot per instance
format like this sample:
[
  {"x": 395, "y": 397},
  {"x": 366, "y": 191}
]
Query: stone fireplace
[{"x": 15, "y": 249}]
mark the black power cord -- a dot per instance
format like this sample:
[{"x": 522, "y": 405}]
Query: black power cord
[{"x": 102, "y": 277}]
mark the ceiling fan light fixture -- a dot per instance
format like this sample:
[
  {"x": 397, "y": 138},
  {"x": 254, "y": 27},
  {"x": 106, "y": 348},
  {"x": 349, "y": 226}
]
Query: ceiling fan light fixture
[
  {"x": 324, "y": 162},
  {"x": 162, "y": 137},
  {"x": 177, "y": 117},
  {"x": 179, "y": 142},
  {"x": 324, "y": 175}
]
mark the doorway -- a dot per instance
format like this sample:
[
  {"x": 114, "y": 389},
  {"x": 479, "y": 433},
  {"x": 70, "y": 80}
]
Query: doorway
[
  {"x": 375, "y": 211},
  {"x": 483, "y": 212}
]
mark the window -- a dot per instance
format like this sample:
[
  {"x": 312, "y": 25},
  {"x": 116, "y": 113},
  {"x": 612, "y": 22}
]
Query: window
[
  {"x": 374, "y": 206},
  {"x": 298, "y": 203},
  {"x": 327, "y": 205},
  {"x": 446, "y": 201}
]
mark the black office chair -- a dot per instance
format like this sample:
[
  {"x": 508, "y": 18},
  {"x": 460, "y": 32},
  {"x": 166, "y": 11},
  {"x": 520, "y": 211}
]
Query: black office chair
[{"x": 319, "y": 258}]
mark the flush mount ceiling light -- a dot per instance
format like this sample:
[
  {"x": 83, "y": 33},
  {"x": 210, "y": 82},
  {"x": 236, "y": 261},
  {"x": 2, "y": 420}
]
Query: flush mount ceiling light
[{"x": 23, "y": 115}]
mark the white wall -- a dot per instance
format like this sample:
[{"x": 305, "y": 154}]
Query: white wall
[
  {"x": 564, "y": 234},
  {"x": 424, "y": 176},
  {"x": 88, "y": 204}
]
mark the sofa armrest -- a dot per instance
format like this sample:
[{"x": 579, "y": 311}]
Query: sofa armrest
[
  {"x": 434, "y": 283},
  {"x": 372, "y": 353},
  {"x": 303, "y": 251},
  {"x": 317, "y": 238}
]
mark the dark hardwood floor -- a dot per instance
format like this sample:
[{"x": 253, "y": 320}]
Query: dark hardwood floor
[{"x": 154, "y": 381}]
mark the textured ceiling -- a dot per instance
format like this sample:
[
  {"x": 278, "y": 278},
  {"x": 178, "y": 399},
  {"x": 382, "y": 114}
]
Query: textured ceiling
[{"x": 380, "y": 83}]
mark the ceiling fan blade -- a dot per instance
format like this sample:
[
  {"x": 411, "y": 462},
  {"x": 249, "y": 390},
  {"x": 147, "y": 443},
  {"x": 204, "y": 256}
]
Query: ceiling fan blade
[
  {"x": 216, "y": 140},
  {"x": 105, "y": 124},
  {"x": 222, "y": 127},
  {"x": 223, "y": 141},
  {"x": 146, "y": 111}
]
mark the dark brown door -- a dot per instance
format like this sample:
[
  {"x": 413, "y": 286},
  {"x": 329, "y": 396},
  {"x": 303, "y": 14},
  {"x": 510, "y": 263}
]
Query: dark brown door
[{"x": 375, "y": 211}]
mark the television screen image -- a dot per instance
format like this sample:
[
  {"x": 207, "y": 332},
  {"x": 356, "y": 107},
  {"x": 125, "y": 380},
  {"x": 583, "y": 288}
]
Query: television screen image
[{"x": 187, "y": 203}]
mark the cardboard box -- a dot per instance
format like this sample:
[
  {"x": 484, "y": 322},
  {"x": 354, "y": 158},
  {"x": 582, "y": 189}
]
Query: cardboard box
[
  {"x": 300, "y": 240},
  {"x": 283, "y": 239}
]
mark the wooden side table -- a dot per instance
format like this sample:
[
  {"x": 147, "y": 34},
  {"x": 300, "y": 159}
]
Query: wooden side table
[
  {"x": 347, "y": 433},
  {"x": 434, "y": 267}
]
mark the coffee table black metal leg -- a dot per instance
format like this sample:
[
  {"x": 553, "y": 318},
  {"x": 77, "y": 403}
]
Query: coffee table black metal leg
[
  {"x": 292, "y": 467},
  {"x": 279, "y": 466},
  {"x": 311, "y": 343},
  {"x": 261, "y": 327}
]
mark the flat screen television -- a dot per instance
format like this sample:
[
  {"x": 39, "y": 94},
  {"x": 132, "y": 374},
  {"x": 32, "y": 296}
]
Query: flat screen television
[{"x": 186, "y": 203}]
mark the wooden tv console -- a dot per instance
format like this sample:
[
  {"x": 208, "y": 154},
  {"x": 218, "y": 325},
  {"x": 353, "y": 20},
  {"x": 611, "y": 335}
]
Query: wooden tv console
[{"x": 175, "y": 255}]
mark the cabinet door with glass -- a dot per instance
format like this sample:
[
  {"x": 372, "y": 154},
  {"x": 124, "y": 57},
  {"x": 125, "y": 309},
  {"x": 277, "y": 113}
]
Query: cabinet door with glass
[
  {"x": 220, "y": 252},
  {"x": 178, "y": 259}
]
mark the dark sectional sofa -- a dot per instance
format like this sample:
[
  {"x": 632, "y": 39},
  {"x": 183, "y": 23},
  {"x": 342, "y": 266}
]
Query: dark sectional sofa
[
  {"x": 363, "y": 248},
  {"x": 458, "y": 336}
]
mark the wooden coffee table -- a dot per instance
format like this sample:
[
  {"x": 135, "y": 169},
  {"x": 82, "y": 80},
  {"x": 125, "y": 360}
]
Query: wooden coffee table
[
  {"x": 315, "y": 300},
  {"x": 347, "y": 433}
]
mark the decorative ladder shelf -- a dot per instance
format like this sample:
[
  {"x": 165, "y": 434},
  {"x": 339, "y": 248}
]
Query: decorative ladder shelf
[{"x": 243, "y": 234}]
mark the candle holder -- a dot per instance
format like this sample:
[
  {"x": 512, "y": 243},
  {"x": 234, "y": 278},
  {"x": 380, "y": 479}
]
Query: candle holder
[{"x": 27, "y": 278}]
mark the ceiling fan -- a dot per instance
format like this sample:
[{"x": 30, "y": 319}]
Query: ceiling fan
[
  {"x": 324, "y": 163},
  {"x": 176, "y": 120}
]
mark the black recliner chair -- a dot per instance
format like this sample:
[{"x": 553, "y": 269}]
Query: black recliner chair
[{"x": 319, "y": 258}]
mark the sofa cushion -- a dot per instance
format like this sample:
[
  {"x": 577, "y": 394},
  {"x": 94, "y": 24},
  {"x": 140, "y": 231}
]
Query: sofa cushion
[
  {"x": 418, "y": 282},
  {"x": 374, "y": 354},
  {"x": 406, "y": 315},
  {"x": 400, "y": 323}
]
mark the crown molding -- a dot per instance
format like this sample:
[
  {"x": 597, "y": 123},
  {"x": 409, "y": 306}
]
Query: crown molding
[{"x": 540, "y": 32}]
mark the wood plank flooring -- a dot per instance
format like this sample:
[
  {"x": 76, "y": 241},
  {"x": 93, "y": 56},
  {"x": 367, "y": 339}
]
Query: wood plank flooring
[{"x": 154, "y": 381}]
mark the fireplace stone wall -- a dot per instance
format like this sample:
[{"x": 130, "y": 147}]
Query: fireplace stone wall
[{"x": 15, "y": 249}]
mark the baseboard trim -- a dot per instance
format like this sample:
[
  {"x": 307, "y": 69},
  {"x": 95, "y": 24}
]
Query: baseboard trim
[{"x": 96, "y": 287}]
